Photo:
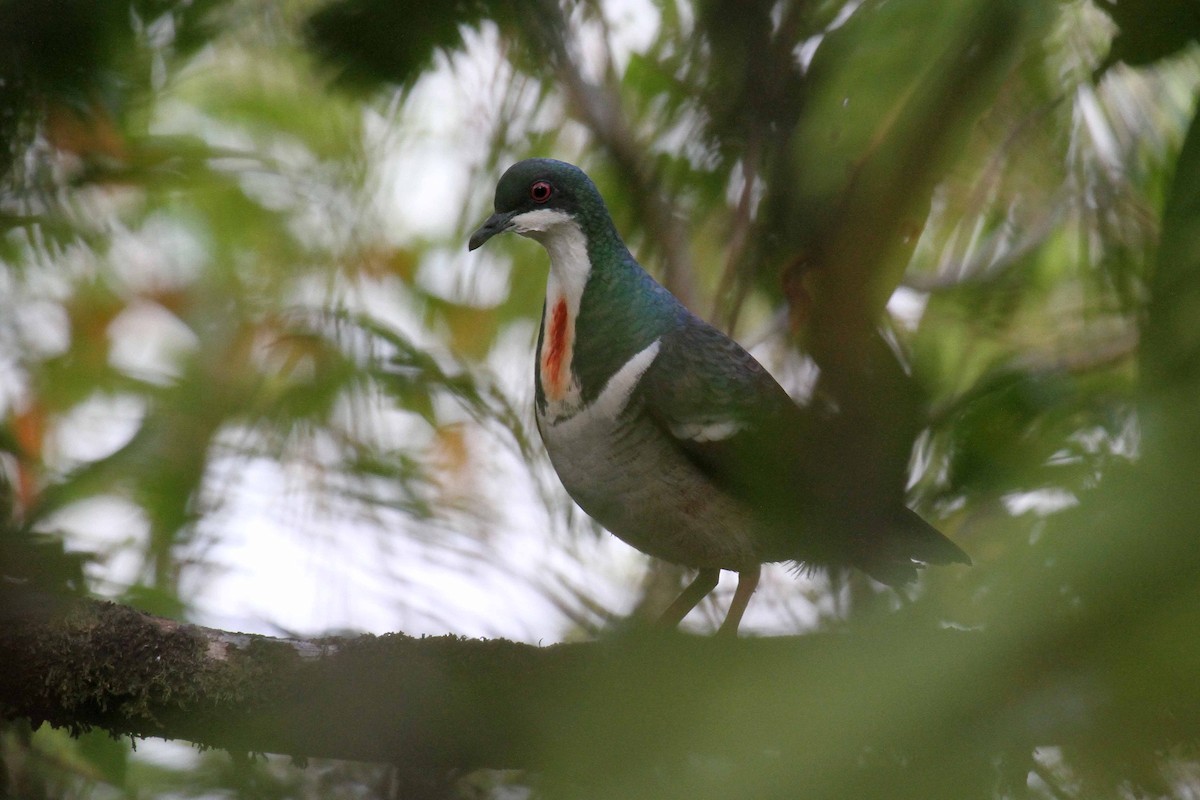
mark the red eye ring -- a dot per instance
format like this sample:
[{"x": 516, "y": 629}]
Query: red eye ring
[{"x": 540, "y": 191}]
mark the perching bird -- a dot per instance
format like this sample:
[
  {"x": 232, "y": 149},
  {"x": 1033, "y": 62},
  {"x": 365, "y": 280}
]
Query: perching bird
[{"x": 672, "y": 436}]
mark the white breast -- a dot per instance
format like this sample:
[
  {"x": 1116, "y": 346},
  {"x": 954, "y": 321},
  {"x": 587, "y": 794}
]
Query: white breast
[{"x": 631, "y": 478}]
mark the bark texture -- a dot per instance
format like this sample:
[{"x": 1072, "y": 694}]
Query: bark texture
[
  {"x": 896, "y": 700},
  {"x": 439, "y": 702}
]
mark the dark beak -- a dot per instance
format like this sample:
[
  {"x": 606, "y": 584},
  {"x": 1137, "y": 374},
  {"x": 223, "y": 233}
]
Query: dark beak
[{"x": 496, "y": 223}]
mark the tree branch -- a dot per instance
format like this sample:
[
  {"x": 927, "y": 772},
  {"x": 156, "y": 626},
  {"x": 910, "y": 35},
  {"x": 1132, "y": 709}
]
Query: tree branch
[
  {"x": 442, "y": 701},
  {"x": 432, "y": 703},
  {"x": 634, "y": 714}
]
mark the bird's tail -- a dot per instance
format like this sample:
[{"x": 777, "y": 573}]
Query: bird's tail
[{"x": 908, "y": 543}]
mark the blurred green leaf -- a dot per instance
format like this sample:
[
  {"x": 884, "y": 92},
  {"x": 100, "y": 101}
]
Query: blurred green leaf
[{"x": 371, "y": 42}]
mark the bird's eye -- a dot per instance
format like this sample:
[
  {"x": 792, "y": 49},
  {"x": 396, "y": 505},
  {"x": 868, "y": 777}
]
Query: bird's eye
[{"x": 540, "y": 191}]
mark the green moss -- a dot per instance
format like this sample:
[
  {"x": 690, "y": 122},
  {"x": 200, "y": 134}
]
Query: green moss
[{"x": 101, "y": 664}]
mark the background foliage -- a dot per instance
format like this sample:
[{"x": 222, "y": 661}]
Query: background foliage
[{"x": 241, "y": 341}]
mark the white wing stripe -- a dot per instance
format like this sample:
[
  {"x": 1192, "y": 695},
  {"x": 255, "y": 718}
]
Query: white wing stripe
[
  {"x": 709, "y": 430},
  {"x": 615, "y": 395}
]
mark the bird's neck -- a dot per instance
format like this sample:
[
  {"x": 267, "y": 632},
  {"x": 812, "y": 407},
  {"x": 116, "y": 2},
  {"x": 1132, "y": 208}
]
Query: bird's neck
[
  {"x": 601, "y": 309},
  {"x": 567, "y": 245}
]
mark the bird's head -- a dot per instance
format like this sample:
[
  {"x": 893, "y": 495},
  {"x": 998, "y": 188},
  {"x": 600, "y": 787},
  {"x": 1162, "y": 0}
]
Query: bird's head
[{"x": 539, "y": 197}]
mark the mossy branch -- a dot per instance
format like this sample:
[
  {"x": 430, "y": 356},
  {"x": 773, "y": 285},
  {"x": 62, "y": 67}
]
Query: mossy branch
[
  {"x": 447, "y": 701},
  {"x": 895, "y": 699},
  {"x": 431, "y": 703}
]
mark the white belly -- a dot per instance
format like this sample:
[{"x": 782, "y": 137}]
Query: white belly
[{"x": 630, "y": 477}]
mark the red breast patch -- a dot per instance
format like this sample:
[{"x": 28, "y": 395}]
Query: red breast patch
[{"x": 554, "y": 376}]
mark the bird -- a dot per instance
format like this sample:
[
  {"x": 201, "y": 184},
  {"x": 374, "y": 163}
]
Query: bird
[{"x": 670, "y": 434}]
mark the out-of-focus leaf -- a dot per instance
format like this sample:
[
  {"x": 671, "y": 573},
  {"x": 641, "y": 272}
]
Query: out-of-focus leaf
[
  {"x": 1012, "y": 433},
  {"x": 374, "y": 42},
  {"x": 1150, "y": 29},
  {"x": 37, "y": 561},
  {"x": 109, "y": 757}
]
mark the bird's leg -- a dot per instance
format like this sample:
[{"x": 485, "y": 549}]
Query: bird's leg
[
  {"x": 747, "y": 583},
  {"x": 704, "y": 583}
]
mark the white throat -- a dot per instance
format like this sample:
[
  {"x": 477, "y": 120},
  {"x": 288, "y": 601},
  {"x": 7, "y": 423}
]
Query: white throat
[{"x": 566, "y": 244}]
